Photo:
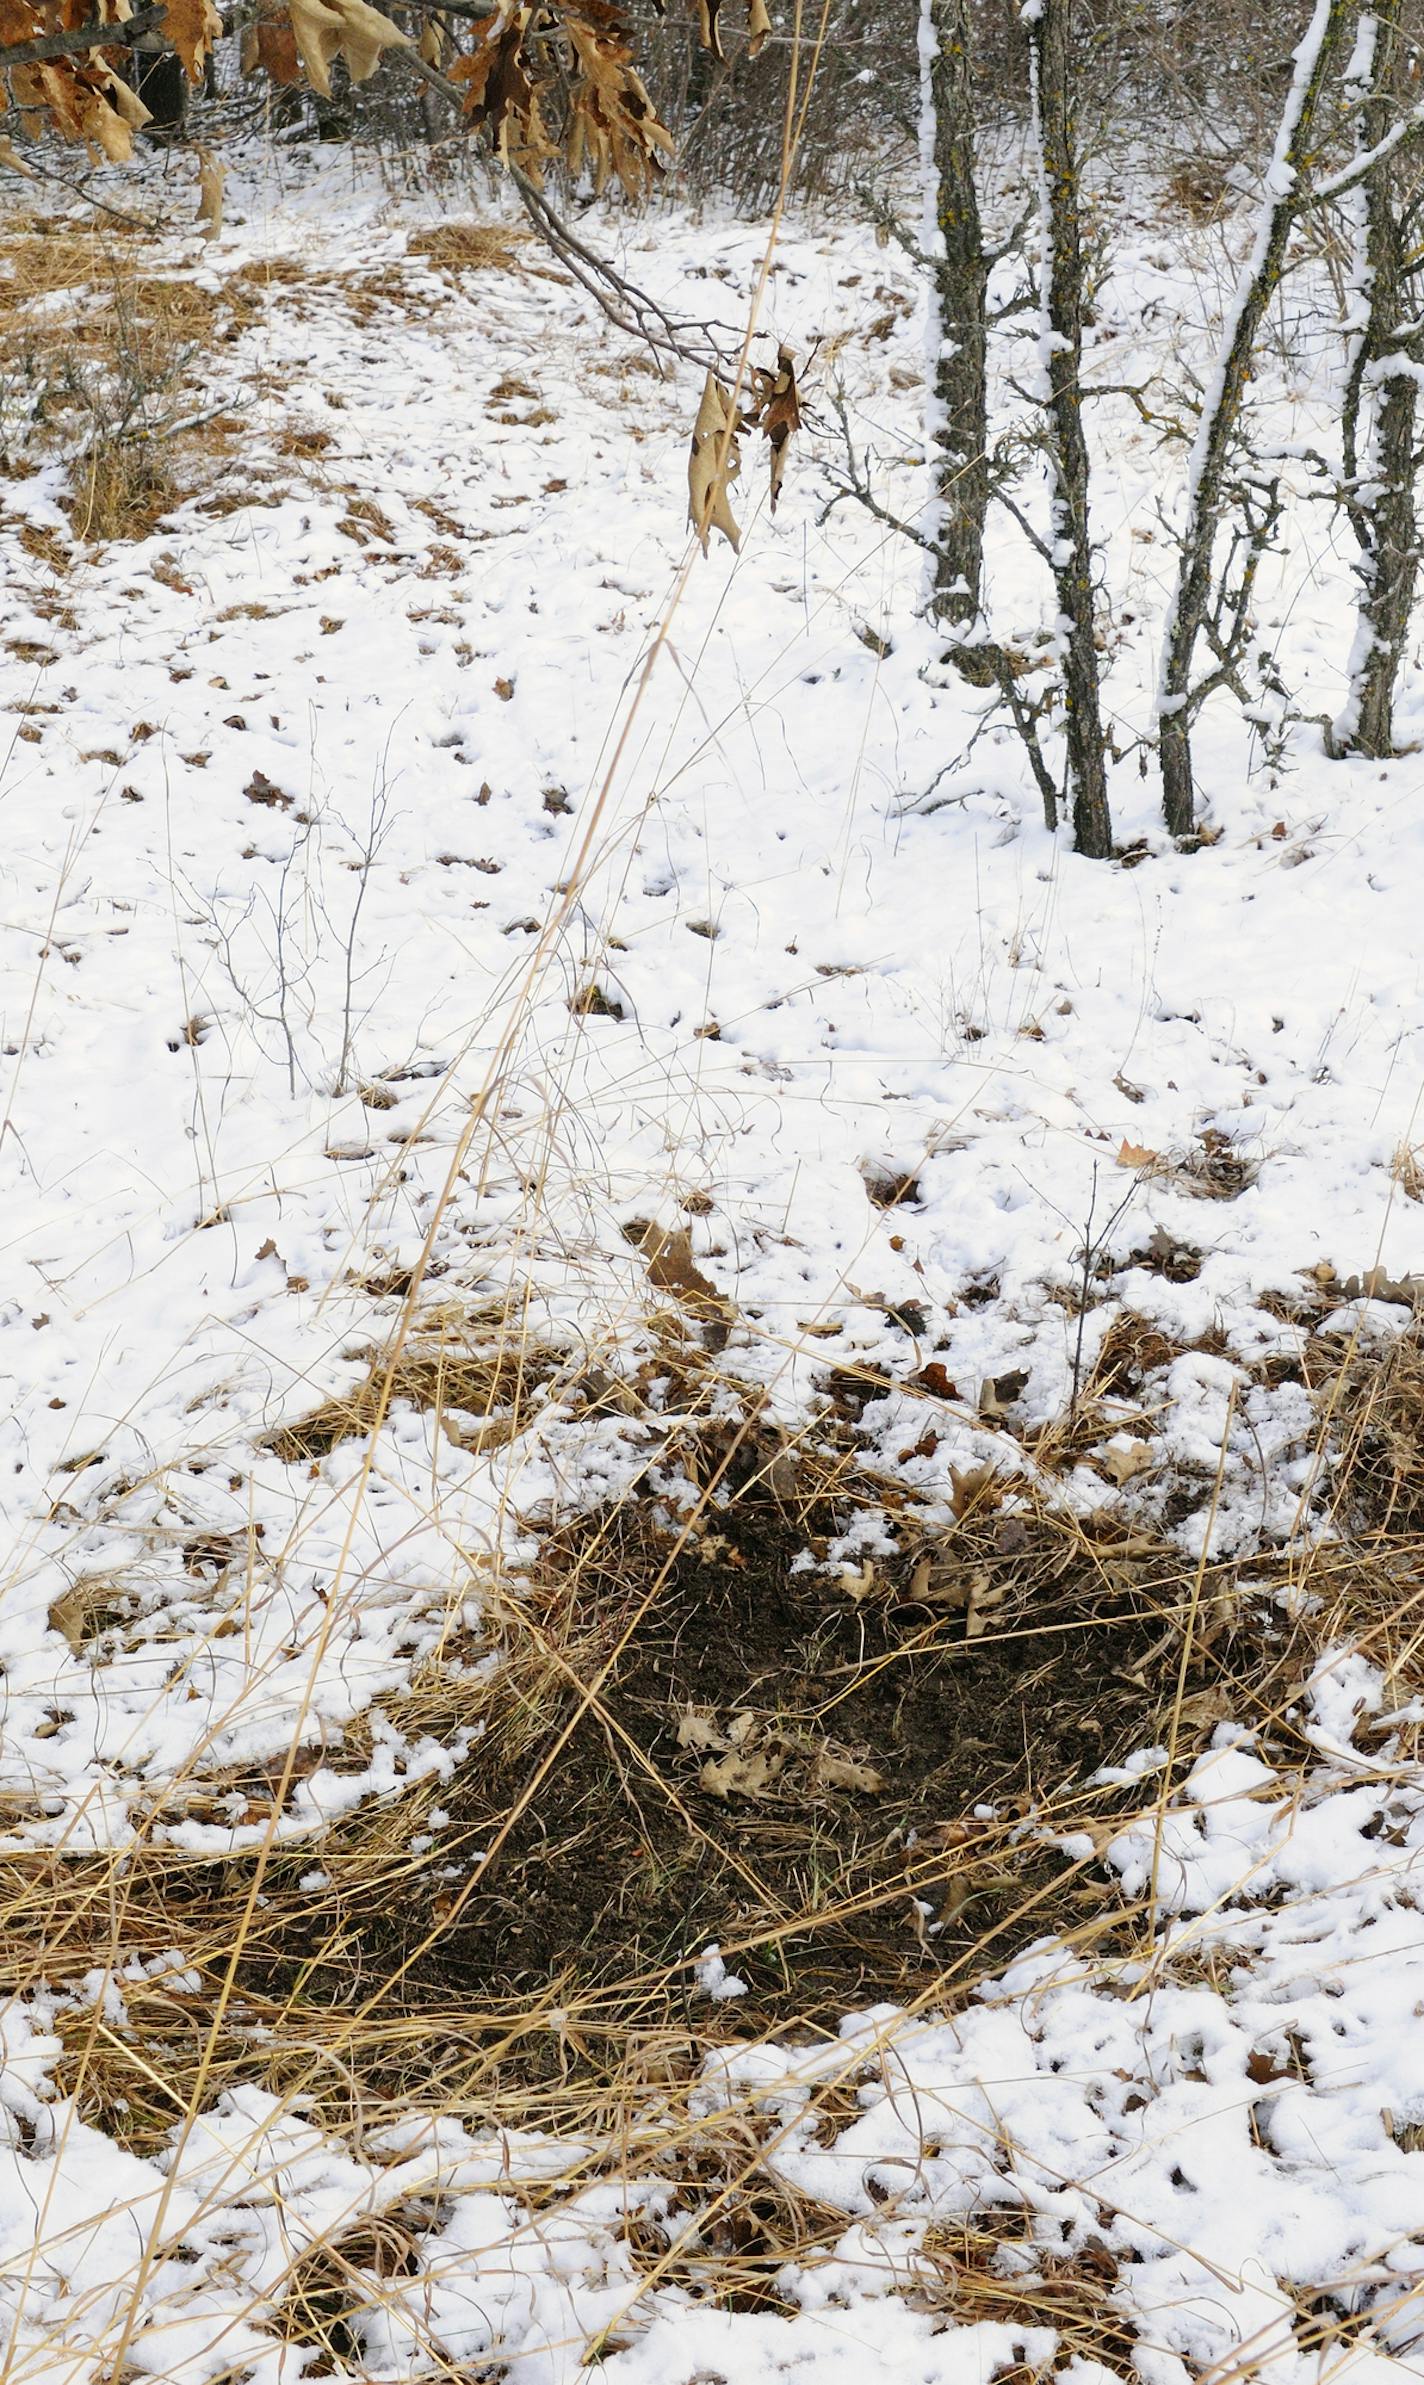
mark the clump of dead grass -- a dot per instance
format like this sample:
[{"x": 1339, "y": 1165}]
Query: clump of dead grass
[
  {"x": 986, "y": 2270},
  {"x": 1200, "y": 188},
  {"x": 525, "y": 1959},
  {"x": 1407, "y": 1170},
  {"x": 468, "y": 247},
  {"x": 98, "y": 368},
  {"x": 479, "y": 1381},
  {"x": 1376, "y": 1407}
]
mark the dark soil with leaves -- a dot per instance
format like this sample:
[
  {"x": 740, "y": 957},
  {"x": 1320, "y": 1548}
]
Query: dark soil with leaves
[{"x": 827, "y": 1779}]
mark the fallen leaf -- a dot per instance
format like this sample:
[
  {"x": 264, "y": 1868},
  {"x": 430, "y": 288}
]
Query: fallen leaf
[
  {"x": 1127, "y": 1459},
  {"x": 997, "y": 1397},
  {"x": 939, "y": 1582},
  {"x": 1136, "y": 1155},
  {"x": 1206, "y": 1708},
  {"x": 671, "y": 1266},
  {"x": 741, "y": 1776},
  {"x": 984, "y": 1597},
  {"x": 831, "y": 1771},
  {"x": 973, "y": 1486},
  {"x": 700, "y": 1732}
]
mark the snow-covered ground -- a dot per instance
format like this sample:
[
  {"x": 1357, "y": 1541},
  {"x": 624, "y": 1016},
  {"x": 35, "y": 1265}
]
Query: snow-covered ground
[
  {"x": 418, "y": 881},
  {"x": 1201, "y": 2161}
]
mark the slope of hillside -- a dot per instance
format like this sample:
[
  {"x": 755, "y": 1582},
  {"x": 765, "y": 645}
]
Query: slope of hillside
[{"x": 514, "y": 1033}]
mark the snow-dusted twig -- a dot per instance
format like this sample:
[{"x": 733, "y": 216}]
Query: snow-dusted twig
[
  {"x": 1381, "y": 403},
  {"x": 1177, "y": 697}
]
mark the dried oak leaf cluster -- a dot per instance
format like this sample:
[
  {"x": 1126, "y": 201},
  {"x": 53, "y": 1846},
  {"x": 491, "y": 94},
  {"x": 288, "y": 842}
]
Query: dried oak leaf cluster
[
  {"x": 552, "y": 81},
  {"x": 548, "y": 83},
  {"x": 771, "y": 405},
  {"x": 82, "y": 93}
]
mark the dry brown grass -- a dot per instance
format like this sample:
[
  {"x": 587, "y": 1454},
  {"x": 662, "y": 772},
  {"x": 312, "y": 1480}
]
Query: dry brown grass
[
  {"x": 399, "y": 1982},
  {"x": 534, "y": 1969},
  {"x": 1199, "y": 187},
  {"x": 470, "y": 247},
  {"x": 1377, "y": 1485},
  {"x": 106, "y": 360},
  {"x": 1408, "y": 1170},
  {"x": 126, "y": 489},
  {"x": 461, "y": 1369},
  {"x": 986, "y": 2269}
]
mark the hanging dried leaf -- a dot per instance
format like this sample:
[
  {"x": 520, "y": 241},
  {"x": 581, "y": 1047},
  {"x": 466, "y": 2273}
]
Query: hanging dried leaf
[
  {"x": 326, "y": 30},
  {"x": 191, "y": 26},
  {"x": 612, "y": 124},
  {"x": 709, "y": 29},
  {"x": 272, "y": 45},
  {"x": 502, "y": 98},
  {"x": 544, "y": 79},
  {"x": 107, "y": 111},
  {"x": 776, "y": 410},
  {"x": 211, "y": 178},
  {"x": 713, "y": 465}
]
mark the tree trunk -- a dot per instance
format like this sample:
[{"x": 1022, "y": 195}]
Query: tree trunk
[
  {"x": 1222, "y": 411},
  {"x": 1061, "y": 312},
  {"x": 158, "y": 79},
  {"x": 1381, "y": 405},
  {"x": 959, "y": 405}
]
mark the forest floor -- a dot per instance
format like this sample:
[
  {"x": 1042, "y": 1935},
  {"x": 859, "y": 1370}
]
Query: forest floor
[{"x": 712, "y": 1474}]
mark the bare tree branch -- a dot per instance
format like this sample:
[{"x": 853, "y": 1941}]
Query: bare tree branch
[
  {"x": 624, "y": 304},
  {"x": 80, "y": 38}
]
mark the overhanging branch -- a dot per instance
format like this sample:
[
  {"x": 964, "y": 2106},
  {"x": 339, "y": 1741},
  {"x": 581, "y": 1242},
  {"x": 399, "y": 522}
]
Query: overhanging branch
[
  {"x": 624, "y": 304},
  {"x": 80, "y": 38}
]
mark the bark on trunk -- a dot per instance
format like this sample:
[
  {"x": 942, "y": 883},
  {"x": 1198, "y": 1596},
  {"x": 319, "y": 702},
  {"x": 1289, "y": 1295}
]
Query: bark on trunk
[
  {"x": 1049, "y": 28},
  {"x": 1381, "y": 407},
  {"x": 1222, "y": 412},
  {"x": 959, "y": 394}
]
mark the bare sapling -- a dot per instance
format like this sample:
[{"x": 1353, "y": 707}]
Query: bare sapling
[
  {"x": 1209, "y": 480},
  {"x": 958, "y": 399},
  {"x": 1378, "y": 425},
  {"x": 1049, "y": 27}
]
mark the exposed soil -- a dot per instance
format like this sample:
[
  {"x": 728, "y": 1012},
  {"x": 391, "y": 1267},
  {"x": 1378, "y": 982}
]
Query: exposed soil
[{"x": 854, "y": 1739}]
